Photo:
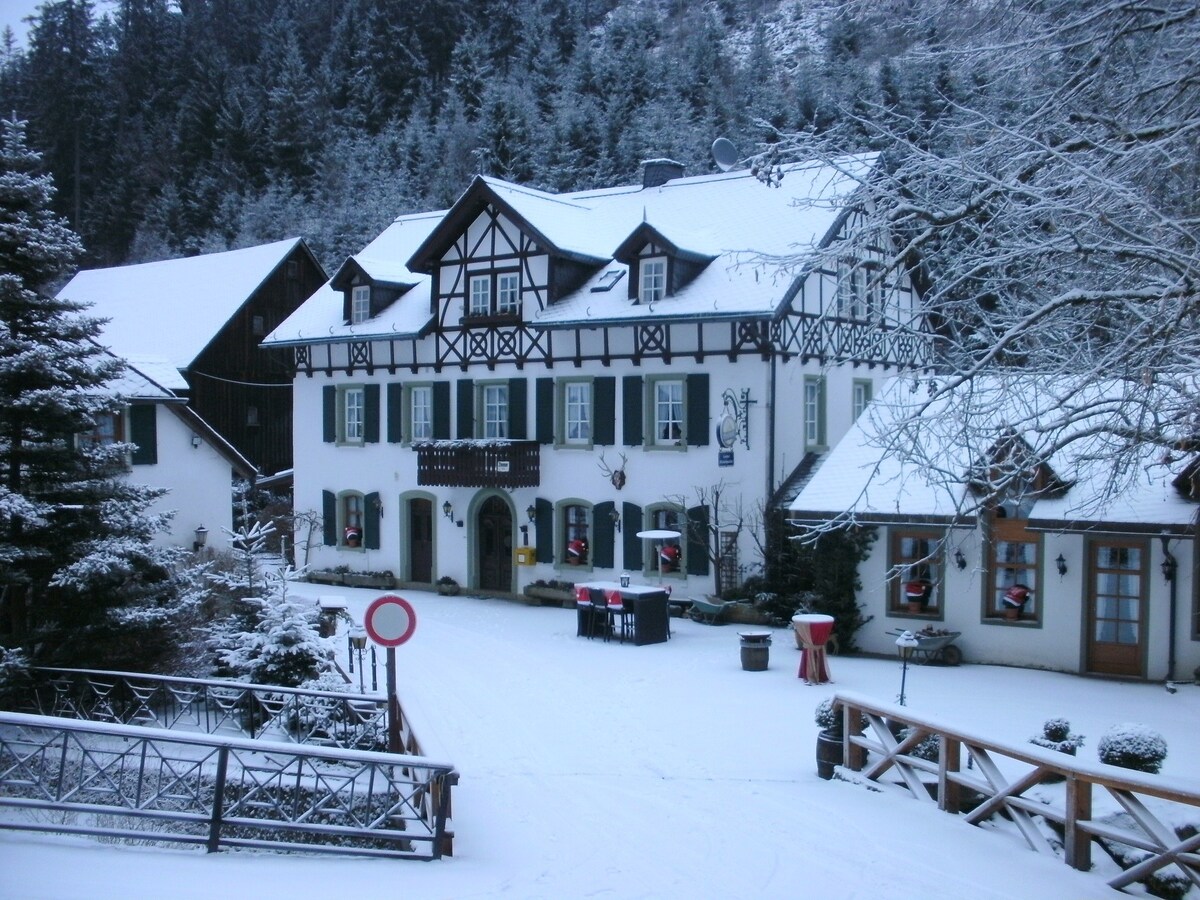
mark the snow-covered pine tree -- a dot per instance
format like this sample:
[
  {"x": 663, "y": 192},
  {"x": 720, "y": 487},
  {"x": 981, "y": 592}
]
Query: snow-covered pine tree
[{"x": 75, "y": 541}]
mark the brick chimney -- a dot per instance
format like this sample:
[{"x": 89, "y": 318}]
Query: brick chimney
[{"x": 660, "y": 171}]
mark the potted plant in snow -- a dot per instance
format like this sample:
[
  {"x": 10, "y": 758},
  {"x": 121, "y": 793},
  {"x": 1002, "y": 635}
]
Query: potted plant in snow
[
  {"x": 1056, "y": 735},
  {"x": 447, "y": 586},
  {"x": 829, "y": 739}
]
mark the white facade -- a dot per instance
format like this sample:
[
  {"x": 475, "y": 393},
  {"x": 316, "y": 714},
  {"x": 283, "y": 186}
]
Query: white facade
[{"x": 591, "y": 352}]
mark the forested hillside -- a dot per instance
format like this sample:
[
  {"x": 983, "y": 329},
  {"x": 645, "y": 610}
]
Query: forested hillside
[{"x": 200, "y": 125}]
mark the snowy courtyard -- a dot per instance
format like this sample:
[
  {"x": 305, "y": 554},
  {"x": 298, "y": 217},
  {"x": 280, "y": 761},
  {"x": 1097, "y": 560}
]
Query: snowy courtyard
[{"x": 607, "y": 769}]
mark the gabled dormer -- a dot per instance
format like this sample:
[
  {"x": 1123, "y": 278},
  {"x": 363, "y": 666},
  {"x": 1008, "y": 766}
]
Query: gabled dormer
[
  {"x": 365, "y": 296},
  {"x": 1014, "y": 479},
  {"x": 658, "y": 267}
]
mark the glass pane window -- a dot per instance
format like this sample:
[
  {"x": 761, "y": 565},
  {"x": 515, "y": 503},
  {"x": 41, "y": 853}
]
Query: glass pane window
[
  {"x": 495, "y": 411},
  {"x": 352, "y": 414},
  {"x": 480, "y": 303},
  {"x": 653, "y": 284},
  {"x": 420, "y": 407},
  {"x": 917, "y": 564},
  {"x": 814, "y": 412},
  {"x": 577, "y": 547},
  {"x": 360, "y": 304},
  {"x": 1117, "y": 602},
  {"x": 668, "y": 412},
  {"x": 577, "y": 403},
  {"x": 508, "y": 292},
  {"x": 352, "y": 519},
  {"x": 860, "y": 397},
  {"x": 107, "y": 429},
  {"x": 1015, "y": 564},
  {"x": 667, "y": 555}
]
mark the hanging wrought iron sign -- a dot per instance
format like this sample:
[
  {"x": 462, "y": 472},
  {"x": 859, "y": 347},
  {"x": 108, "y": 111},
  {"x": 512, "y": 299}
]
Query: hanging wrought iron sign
[{"x": 733, "y": 424}]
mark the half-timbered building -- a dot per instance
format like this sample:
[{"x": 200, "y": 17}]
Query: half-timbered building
[{"x": 513, "y": 388}]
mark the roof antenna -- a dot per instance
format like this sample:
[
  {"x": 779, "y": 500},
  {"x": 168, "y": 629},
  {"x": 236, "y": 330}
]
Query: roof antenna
[{"x": 724, "y": 154}]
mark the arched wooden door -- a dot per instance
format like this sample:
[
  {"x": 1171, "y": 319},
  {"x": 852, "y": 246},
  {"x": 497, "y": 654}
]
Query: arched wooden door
[
  {"x": 495, "y": 545},
  {"x": 420, "y": 539}
]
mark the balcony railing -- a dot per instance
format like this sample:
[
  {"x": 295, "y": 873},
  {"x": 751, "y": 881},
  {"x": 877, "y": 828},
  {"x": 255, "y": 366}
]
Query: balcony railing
[{"x": 479, "y": 463}]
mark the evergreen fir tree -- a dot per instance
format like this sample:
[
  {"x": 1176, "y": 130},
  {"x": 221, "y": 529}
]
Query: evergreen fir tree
[{"x": 75, "y": 542}]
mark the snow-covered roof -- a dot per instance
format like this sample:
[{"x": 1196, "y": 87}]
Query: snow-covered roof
[
  {"x": 142, "y": 381},
  {"x": 171, "y": 309},
  {"x": 745, "y": 227},
  {"x": 864, "y": 478}
]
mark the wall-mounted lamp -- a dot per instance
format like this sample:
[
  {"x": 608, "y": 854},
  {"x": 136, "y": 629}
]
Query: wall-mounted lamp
[
  {"x": 378, "y": 502},
  {"x": 1061, "y": 565},
  {"x": 447, "y": 510},
  {"x": 195, "y": 442},
  {"x": 531, "y": 513},
  {"x": 201, "y": 539},
  {"x": 959, "y": 559},
  {"x": 616, "y": 517},
  {"x": 1169, "y": 565}
]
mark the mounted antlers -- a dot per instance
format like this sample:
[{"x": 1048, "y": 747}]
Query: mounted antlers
[{"x": 615, "y": 476}]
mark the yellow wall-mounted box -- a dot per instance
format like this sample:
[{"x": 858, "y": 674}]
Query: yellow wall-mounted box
[{"x": 525, "y": 556}]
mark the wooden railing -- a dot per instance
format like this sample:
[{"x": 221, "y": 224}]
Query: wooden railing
[{"x": 997, "y": 777}]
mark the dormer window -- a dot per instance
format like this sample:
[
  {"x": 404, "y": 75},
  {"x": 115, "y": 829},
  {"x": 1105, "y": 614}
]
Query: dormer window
[
  {"x": 652, "y": 284},
  {"x": 360, "y": 304}
]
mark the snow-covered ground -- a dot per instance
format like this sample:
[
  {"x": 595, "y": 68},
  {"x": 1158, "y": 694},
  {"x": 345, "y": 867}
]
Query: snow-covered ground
[{"x": 663, "y": 771}]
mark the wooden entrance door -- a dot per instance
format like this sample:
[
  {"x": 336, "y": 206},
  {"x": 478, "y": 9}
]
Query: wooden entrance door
[
  {"x": 1116, "y": 607},
  {"x": 420, "y": 540},
  {"x": 495, "y": 545}
]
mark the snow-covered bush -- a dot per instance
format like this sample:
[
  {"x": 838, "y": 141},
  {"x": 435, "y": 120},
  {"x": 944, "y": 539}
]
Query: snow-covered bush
[
  {"x": 14, "y": 677},
  {"x": 929, "y": 747},
  {"x": 827, "y": 716},
  {"x": 1056, "y": 735},
  {"x": 1132, "y": 746}
]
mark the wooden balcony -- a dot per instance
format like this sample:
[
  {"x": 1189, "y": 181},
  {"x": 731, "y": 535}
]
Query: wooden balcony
[{"x": 480, "y": 463}]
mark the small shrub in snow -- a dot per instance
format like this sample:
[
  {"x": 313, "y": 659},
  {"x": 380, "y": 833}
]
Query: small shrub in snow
[
  {"x": 1056, "y": 735},
  {"x": 1132, "y": 746},
  {"x": 827, "y": 717},
  {"x": 929, "y": 748}
]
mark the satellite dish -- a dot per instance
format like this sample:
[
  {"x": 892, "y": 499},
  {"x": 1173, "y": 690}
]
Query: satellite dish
[{"x": 724, "y": 154}]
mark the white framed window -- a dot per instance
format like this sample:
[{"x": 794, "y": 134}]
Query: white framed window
[
  {"x": 495, "y": 410},
  {"x": 480, "y": 301},
  {"x": 576, "y": 528},
  {"x": 577, "y": 412},
  {"x": 668, "y": 557},
  {"x": 860, "y": 396},
  {"x": 420, "y": 413},
  {"x": 814, "y": 412},
  {"x": 668, "y": 411},
  {"x": 360, "y": 304},
  {"x": 352, "y": 409},
  {"x": 508, "y": 293},
  {"x": 652, "y": 282}
]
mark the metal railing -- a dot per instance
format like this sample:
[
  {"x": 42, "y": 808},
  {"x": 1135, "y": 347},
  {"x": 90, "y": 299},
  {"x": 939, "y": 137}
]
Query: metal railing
[
  {"x": 149, "y": 784},
  {"x": 214, "y": 706},
  {"x": 999, "y": 775}
]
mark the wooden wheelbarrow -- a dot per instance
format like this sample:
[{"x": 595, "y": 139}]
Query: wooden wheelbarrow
[{"x": 710, "y": 612}]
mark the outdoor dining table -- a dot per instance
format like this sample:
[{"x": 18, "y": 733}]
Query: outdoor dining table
[
  {"x": 649, "y": 604},
  {"x": 813, "y": 629}
]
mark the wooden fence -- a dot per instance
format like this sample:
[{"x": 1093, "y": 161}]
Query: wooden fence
[{"x": 879, "y": 740}]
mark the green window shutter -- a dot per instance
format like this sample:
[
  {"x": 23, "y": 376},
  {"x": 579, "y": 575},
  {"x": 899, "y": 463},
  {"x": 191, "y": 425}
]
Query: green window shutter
[
  {"x": 697, "y": 410},
  {"x": 329, "y": 414},
  {"x": 631, "y": 524},
  {"x": 518, "y": 420},
  {"x": 371, "y": 521},
  {"x": 604, "y": 411},
  {"x": 466, "y": 410},
  {"x": 370, "y": 414},
  {"x": 143, "y": 431},
  {"x": 544, "y": 523},
  {"x": 631, "y": 400},
  {"x": 441, "y": 411},
  {"x": 544, "y": 410},
  {"x": 329, "y": 518},
  {"x": 697, "y": 540},
  {"x": 395, "y": 412},
  {"x": 602, "y": 535}
]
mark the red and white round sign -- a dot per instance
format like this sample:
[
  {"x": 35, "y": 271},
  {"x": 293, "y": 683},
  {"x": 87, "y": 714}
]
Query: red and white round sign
[{"x": 390, "y": 620}]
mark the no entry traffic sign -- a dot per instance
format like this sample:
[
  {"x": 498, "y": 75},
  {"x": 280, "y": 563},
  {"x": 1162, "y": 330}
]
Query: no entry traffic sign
[{"x": 390, "y": 620}]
